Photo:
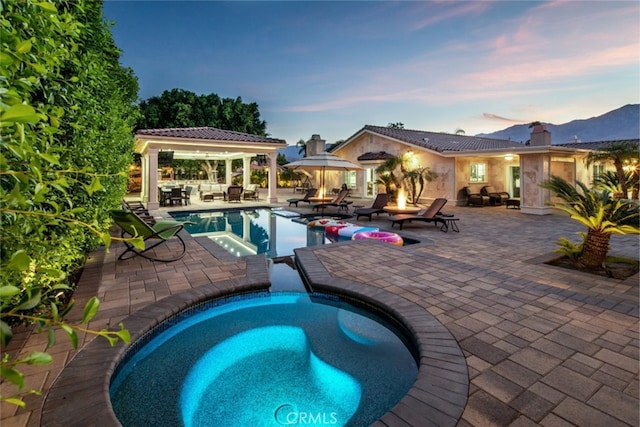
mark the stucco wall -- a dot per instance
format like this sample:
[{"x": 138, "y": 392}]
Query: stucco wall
[{"x": 442, "y": 186}]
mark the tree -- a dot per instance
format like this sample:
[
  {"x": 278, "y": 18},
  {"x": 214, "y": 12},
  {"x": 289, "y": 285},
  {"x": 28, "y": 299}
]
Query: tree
[
  {"x": 620, "y": 154},
  {"x": 390, "y": 168},
  {"x": 416, "y": 180},
  {"x": 302, "y": 147},
  {"x": 396, "y": 125},
  {"x": 67, "y": 112},
  {"x": 395, "y": 172},
  {"x": 460, "y": 132},
  {"x": 602, "y": 214},
  {"x": 177, "y": 108},
  {"x": 609, "y": 180}
]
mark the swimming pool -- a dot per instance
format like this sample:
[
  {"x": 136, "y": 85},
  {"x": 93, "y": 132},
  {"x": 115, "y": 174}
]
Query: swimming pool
[
  {"x": 267, "y": 359},
  {"x": 245, "y": 232},
  {"x": 241, "y": 232}
]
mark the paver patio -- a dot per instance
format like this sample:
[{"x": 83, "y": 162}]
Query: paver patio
[{"x": 543, "y": 345}]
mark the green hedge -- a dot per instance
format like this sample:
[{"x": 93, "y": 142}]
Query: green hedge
[{"x": 67, "y": 111}]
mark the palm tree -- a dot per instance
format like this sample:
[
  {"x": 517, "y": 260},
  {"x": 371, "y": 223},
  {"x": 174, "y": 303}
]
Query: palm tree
[
  {"x": 302, "y": 147},
  {"x": 389, "y": 166},
  {"x": 602, "y": 214},
  {"x": 416, "y": 180},
  {"x": 619, "y": 153},
  {"x": 386, "y": 180}
]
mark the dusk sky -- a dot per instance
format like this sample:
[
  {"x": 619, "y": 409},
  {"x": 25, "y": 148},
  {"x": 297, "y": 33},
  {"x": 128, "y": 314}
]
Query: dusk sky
[{"x": 331, "y": 67}]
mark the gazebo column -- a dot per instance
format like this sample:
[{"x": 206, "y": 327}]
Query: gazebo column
[
  {"x": 246, "y": 171},
  {"x": 151, "y": 175},
  {"x": 273, "y": 178},
  {"x": 227, "y": 171}
]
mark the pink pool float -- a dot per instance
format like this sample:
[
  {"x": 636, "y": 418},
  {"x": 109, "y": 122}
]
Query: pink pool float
[
  {"x": 353, "y": 229},
  {"x": 383, "y": 236}
]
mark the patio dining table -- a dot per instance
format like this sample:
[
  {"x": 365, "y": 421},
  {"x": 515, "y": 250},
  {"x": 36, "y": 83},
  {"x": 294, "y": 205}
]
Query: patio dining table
[{"x": 165, "y": 195}]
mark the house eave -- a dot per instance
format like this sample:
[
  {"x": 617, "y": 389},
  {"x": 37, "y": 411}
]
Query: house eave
[{"x": 515, "y": 151}]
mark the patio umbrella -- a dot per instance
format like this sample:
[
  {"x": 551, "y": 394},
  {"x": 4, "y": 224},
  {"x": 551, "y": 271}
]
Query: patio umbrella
[{"x": 323, "y": 162}]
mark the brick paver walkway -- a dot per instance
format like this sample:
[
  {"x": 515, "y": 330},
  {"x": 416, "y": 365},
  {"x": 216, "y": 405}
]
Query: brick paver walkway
[{"x": 543, "y": 345}]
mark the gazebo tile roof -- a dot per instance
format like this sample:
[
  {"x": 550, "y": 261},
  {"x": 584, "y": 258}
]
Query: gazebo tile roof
[{"x": 208, "y": 133}]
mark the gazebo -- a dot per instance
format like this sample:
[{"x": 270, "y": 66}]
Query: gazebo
[{"x": 202, "y": 143}]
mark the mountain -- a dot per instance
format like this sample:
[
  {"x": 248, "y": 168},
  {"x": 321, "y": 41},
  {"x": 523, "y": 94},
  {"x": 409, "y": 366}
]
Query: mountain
[
  {"x": 622, "y": 123},
  {"x": 291, "y": 152}
]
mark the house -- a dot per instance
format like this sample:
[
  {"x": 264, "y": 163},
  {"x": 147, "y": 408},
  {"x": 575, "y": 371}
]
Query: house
[{"x": 461, "y": 161}]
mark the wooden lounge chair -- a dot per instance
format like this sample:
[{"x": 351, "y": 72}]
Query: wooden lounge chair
[
  {"x": 431, "y": 214},
  {"x": 309, "y": 194},
  {"x": 336, "y": 202},
  {"x": 139, "y": 209},
  {"x": 376, "y": 208},
  {"x": 152, "y": 235}
]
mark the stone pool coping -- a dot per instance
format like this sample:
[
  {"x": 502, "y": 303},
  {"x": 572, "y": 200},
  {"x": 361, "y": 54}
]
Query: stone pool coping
[{"x": 79, "y": 396}]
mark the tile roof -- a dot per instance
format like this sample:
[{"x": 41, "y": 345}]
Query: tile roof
[
  {"x": 442, "y": 142},
  {"x": 208, "y": 133},
  {"x": 599, "y": 145}
]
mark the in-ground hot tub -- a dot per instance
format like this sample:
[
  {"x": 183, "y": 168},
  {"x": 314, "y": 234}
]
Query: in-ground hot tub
[{"x": 266, "y": 359}]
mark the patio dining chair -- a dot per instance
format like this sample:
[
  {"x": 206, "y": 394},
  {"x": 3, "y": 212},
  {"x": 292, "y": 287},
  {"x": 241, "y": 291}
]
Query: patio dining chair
[
  {"x": 133, "y": 226},
  {"x": 186, "y": 195},
  {"x": 176, "y": 196}
]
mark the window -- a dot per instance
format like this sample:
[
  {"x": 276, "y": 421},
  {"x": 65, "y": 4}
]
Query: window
[
  {"x": 350, "y": 179},
  {"x": 598, "y": 170},
  {"x": 478, "y": 172}
]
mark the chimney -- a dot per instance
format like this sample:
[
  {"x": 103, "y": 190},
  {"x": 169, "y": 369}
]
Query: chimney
[
  {"x": 540, "y": 136},
  {"x": 315, "y": 145}
]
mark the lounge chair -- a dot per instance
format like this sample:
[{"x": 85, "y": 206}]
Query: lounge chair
[
  {"x": 431, "y": 214},
  {"x": 134, "y": 206},
  {"x": 309, "y": 194},
  {"x": 160, "y": 232},
  {"x": 139, "y": 210},
  {"x": 337, "y": 201},
  {"x": 496, "y": 198},
  {"x": 376, "y": 208},
  {"x": 234, "y": 193}
]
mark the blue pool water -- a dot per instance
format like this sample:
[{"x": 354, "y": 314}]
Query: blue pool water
[
  {"x": 252, "y": 231},
  {"x": 266, "y": 360},
  {"x": 273, "y": 232}
]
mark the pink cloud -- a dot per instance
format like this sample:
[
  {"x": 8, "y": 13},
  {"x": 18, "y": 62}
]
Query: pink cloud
[{"x": 438, "y": 13}]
